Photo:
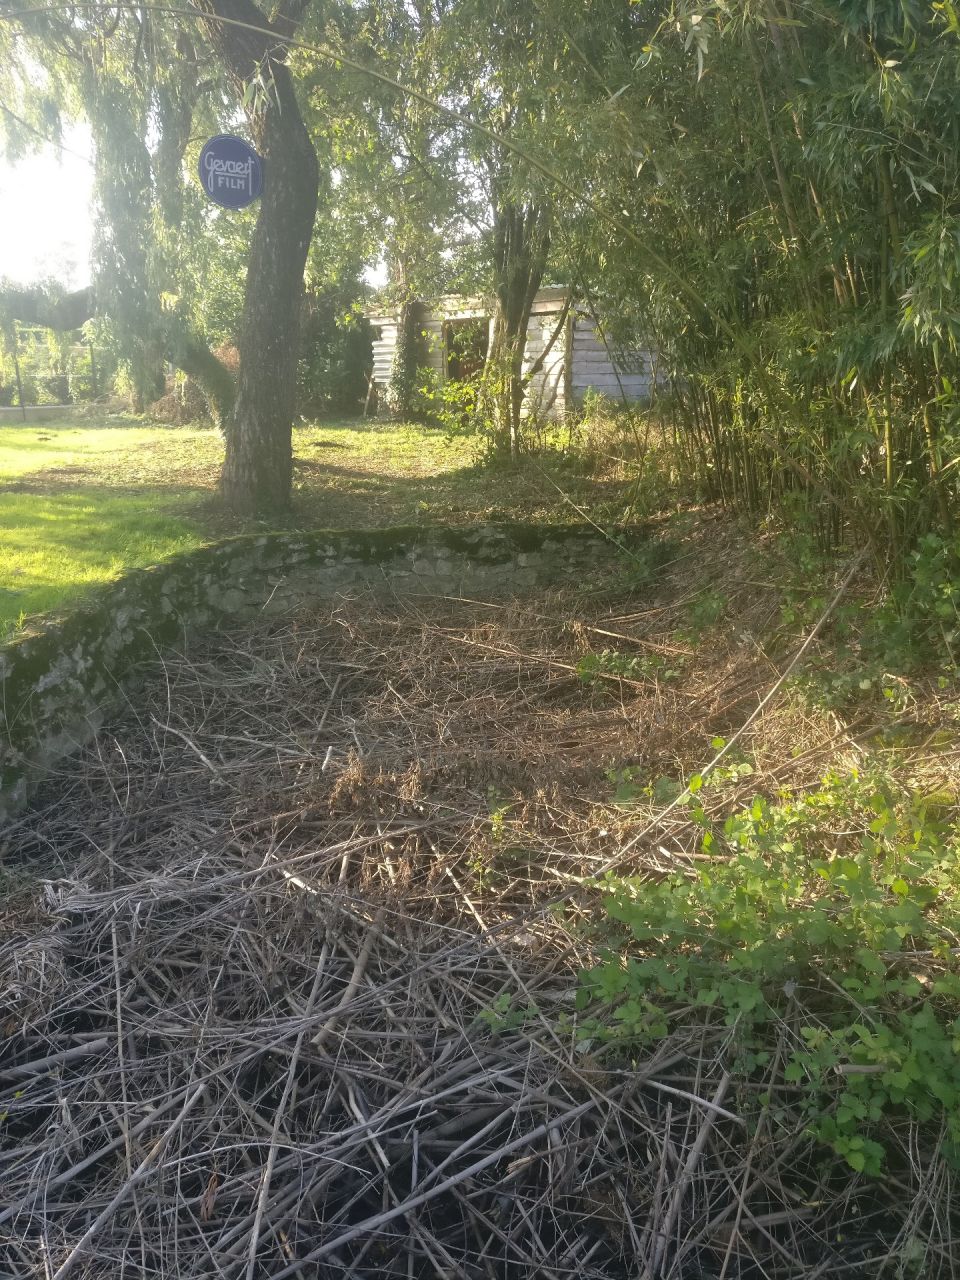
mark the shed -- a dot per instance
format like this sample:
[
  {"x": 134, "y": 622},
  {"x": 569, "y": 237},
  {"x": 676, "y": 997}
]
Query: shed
[{"x": 457, "y": 330}]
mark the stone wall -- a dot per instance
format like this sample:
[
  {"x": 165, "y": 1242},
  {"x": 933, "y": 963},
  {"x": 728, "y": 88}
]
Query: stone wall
[{"x": 61, "y": 678}]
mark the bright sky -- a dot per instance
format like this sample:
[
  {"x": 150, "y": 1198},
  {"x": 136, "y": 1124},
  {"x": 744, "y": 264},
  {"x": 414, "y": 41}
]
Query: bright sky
[
  {"x": 45, "y": 219},
  {"x": 45, "y": 214}
]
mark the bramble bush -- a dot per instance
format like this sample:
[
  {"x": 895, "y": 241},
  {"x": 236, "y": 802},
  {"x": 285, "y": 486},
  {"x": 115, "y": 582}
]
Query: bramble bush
[
  {"x": 833, "y": 920},
  {"x": 450, "y": 405}
]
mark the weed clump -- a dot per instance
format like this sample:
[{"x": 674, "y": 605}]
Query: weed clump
[{"x": 818, "y": 936}]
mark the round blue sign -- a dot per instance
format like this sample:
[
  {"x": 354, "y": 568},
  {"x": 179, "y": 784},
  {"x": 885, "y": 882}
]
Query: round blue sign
[{"x": 231, "y": 171}]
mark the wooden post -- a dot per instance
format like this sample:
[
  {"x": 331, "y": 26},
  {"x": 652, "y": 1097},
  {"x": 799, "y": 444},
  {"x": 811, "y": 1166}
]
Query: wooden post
[
  {"x": 16, "y": 370},
  {"x": 366, "y": 403}
]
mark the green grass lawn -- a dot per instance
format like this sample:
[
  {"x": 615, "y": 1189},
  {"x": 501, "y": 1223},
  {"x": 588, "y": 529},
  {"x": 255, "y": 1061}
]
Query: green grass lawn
[
  {"x": 69, "y": 522},
  {"x": 74, "y": 541},
  {"x": 81, "y": 503}
]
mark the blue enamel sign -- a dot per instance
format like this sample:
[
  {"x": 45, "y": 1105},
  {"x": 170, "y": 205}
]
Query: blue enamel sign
[{"x": 231, "y": 171}]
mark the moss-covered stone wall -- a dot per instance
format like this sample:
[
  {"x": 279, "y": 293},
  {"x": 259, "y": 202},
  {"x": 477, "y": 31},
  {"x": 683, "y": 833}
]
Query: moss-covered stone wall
[{"x": 60, "y": 678}]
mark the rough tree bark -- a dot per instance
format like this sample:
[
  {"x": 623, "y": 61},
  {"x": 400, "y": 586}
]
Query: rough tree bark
[{"x": 257, "y": 470}]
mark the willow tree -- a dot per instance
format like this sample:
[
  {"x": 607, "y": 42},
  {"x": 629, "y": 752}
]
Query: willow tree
[
  {"x": 140, "y": 80},
  {"x": 402, "y": 199},
  {"x": 258, "y": 467},
  {"x": 133, "y": 78},
  {"x": 449, "y": 206},
  {"x": 126, "y": 268},
  {"x": 497, "y": 64}
]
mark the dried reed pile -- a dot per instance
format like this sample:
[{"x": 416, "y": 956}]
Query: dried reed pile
[{"x": 281, "y": 997}]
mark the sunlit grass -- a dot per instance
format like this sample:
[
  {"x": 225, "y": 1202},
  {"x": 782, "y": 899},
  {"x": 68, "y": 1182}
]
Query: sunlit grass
[
  {"x": 77, "y": 509},
  {"x": 37, "y": 446},
  {"x": 56, "y": 547},
  {"x": 80, "y": 504}
]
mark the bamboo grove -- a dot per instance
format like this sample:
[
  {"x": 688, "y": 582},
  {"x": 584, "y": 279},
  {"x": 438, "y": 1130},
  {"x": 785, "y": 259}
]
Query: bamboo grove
[{"x": 796, "y": 169}]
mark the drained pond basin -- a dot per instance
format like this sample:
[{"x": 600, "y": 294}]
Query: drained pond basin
[{"x": 291, "y": 950}]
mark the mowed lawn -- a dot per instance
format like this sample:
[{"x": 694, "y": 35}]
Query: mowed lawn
[{"x": 81, "y": 503}]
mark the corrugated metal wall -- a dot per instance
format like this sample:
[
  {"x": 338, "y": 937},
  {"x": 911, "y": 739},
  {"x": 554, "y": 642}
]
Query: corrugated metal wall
[
  {"x": 384, "y": 345},
  {"x": 546, "y": 391},
  {"x": 433, "y": 344}
]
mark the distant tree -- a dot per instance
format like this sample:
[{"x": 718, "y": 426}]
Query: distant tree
[
  {"x": 136, "y": 76},
  {"x": 41, "y": 304},
  {"x": 401, "y": 200},
  {"x": 334, "y": 350},
  {"x": 496, "y": 62}
]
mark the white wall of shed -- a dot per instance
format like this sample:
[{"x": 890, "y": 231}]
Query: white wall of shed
[
  {"x": 384, "y": 348},
  {"x": 434, "y": 354},
  {"x": 596, "y": 367},
  {"x": 593, "y": 366},
  {"x": 546, "y": 392}
]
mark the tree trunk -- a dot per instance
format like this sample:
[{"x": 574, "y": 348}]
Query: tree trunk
[
  {"x": 211, "y": 375},
  {"x": 521, "y": 244},
  {"x": 34, "y": 304},
  {"x": 407, "y": 359},
  {"x": 257, "y": 470}
]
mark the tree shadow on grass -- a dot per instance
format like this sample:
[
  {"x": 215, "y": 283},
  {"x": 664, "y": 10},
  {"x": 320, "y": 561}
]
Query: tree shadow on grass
[
  {"x": 54, "y": 545},
  {"x": 327, "y": 495}
]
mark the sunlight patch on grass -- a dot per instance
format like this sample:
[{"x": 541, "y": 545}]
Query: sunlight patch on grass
[
  {"x": 41, "y": 446},
  {"x": 57, "y": 546},
  {"x": 400, "y": 446}
]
